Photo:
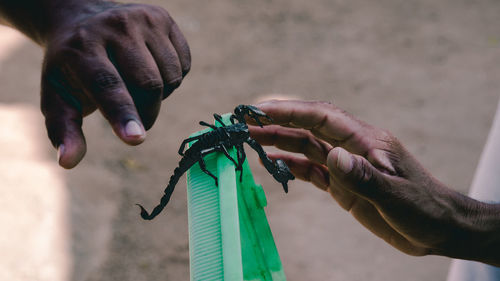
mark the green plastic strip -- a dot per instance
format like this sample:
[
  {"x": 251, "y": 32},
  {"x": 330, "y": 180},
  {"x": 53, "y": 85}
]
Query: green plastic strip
[
  {"x": 205, "y": 239},
  {"x": 229, "y": 236}
]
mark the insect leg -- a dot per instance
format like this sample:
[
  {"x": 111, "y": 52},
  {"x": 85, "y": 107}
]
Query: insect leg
[
  {"x": 203, "y": 123},
  {"x": 223, "y": 149},
  {"x": 203, "y": 167},
  {"x": 218, "y": 118},
  {"x": 186, "y": 141},
  {"x": 240, "y": 151}
]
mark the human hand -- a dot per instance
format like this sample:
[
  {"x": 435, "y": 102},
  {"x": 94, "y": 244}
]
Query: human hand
[
  {"x": 122, "y": 59},
  {"x": 372, "y": 176}
]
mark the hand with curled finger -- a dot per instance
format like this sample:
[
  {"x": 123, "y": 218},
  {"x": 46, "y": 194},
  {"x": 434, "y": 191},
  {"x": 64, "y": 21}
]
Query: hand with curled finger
[
  {"x": 371, "y": 175},
  {"x": 122, "y": 59}
]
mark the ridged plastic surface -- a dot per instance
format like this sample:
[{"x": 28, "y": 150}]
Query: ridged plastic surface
[{"x": 205, "y": 239}]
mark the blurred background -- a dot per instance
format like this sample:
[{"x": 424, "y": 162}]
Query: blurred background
[{"x": 426, "y": 70}]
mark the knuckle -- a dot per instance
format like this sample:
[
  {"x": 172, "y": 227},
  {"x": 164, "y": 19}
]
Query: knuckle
[
  {"x": 159, "y": 13},
  {"x": 153, "y": 16},
  {"x": 151, "y": 84},
  {"x": 165, "y": 13},
  {"x": 341, "y": 111},
  {"x": 117, "y": 109},
  {"x": 174, "y": 83},
  {"x": 80, "y": 34},
  {"x": 304, "y": 144},
  {"x": 326, "y": 105},
  {"x": 121, "y": 109},
  {"x": 365, "y": 177},
  {"x": 385, "y": 135},
  {"x": 119, "y": 19},
  {"x": 387, "y": 139},
  {"x": 80, "y": 39},
  {"x": 363, "y": 141},
  {"x": 150, "y": 20},
  {"x": 105, "y": 81}
]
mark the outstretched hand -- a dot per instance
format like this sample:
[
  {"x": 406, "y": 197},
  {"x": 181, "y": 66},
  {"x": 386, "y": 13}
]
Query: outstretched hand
[
  {"x": 122, "y": 59},
  {"x": 371, "y": 175}
]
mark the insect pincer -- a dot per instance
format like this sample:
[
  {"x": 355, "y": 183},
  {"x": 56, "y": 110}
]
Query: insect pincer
[
  {"x": 251, "y": 111},
  {"x": 283, "y": 174}
]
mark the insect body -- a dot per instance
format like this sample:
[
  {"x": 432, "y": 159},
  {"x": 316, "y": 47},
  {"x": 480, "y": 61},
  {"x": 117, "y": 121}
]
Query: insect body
[{"x": 220, "y": 139}]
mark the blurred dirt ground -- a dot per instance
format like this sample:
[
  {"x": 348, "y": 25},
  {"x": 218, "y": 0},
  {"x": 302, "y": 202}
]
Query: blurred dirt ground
[{"x": 426, "y": 70}]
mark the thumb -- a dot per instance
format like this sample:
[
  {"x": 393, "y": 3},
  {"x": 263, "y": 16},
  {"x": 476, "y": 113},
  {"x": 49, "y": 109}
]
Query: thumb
[
  {"x": 356, "y": 174},
  {"x": 64, "y": 127}
]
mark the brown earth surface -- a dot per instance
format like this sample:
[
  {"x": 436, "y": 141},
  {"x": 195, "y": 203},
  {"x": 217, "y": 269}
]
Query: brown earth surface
[{"x": 426, "y": 70}]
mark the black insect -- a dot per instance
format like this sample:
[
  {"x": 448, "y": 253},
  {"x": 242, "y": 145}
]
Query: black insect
[{"x": 220, "y": 139}]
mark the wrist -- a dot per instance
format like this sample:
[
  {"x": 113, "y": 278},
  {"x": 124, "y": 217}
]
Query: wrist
[
  {"x": 64, "y": 13},
  {"x": 486, "y": 233},
  {"x": 477, "y": 233},
  {"x": 39, "y": 19}
]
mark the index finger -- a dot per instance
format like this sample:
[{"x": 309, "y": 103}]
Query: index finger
[
  {"x": 102, "y": 82},
  {"x": 323, "y": 119}
]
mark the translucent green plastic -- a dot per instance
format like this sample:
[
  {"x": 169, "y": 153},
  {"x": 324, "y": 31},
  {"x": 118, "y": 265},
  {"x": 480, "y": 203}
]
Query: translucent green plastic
[{"x": 229, "y": 236}]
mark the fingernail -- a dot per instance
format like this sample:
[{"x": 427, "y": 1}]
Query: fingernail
[
  {"x": 60, "y": 152},
  {"x": 344, "y": 161},
  {"x": 262, "y": 103},
  {"x": 133, "y": 129}
]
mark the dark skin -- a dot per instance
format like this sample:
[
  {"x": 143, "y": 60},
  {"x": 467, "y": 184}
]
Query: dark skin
[
  {"x": 122, "y": 59},
  {"x": 372, "y": 176}
]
